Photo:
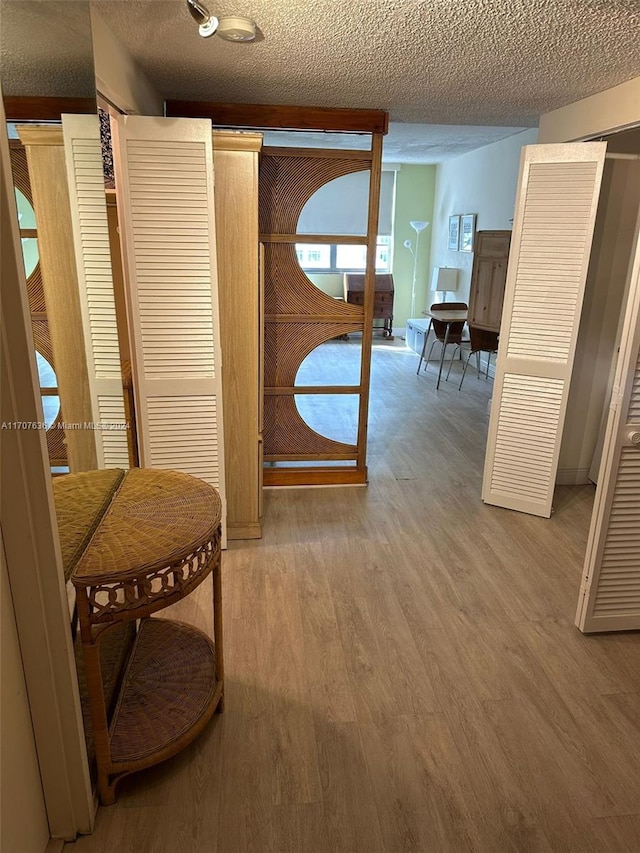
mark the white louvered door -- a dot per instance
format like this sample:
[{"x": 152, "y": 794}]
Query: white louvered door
[
  {"x": 553, "y": 230},
  {"x": 610, "y": 593},
  {"x": 83, "y": 157},
  {"x": 164, "y": 177}
]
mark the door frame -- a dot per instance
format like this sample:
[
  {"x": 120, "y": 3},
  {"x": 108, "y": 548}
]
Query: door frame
[{"x": 34, "y": 562}]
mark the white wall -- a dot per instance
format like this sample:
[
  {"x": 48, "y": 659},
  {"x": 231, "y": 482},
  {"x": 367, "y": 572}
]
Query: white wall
[
  {"x": 328, "y": 282},
  {"x": 481, "y": 182},
  {"x": 118, "y": 77},
  {"x": 24, "y": 820},
  {"x": 607, "y": 111}
]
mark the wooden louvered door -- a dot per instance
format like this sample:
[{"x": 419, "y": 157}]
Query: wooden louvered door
[
  {"x": 164, "y": 180},
  {"x": 610, "y": 593},
  {"x": 553, "y": 230},
  {"x": 83, "y": 156}
]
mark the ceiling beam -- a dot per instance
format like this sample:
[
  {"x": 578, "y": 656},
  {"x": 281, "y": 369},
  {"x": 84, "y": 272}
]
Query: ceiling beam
[
  {"x": 273, "y": 117},
  {"x": 30, "y": 108}
]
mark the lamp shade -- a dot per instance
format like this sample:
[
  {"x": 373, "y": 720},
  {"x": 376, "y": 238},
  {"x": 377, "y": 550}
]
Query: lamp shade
[{"x": 444, "y": 279}]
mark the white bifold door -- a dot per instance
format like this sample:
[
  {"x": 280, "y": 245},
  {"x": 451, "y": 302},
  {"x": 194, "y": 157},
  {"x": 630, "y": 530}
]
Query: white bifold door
[
  {"x": 83, "y": 157},
  {"x": 550, "y": 250},
  {"x": 164, "y": 179},
  {"x": 610, "y": 593},
  {"x": 553, "y": 228}
]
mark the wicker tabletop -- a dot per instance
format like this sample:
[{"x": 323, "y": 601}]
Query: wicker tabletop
[
  {"x": 137, "y": 519},
  {"x": 136, "y": 536}
]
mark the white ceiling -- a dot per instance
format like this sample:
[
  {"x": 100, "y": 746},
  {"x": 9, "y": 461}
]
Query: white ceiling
[
  {"x": 463, "y": 62},
  {"x": 405, "y": 143},
  {"x": 454, "y": 74},
  {"x": 45, "y": 48}
]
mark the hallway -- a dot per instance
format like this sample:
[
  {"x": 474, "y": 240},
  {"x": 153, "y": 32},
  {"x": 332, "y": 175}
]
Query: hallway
[{"x": 401, "y": 667}]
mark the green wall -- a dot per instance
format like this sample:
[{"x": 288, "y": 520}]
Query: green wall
[{"x": 415, "y": 196}]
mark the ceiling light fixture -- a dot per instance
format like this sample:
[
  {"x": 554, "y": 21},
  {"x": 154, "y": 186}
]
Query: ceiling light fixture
[
  {"x": 237, "y": 29},
  {"x": 230, "y": 28},
  {"x": 207, "y": 23}
]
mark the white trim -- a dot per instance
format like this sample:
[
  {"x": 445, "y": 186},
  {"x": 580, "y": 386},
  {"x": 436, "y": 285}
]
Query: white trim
[{"x": 34, "y": 562}]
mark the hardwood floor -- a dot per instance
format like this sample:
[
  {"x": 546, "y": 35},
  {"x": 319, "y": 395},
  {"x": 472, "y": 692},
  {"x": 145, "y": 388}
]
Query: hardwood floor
[{"x": 402, "y": 669}]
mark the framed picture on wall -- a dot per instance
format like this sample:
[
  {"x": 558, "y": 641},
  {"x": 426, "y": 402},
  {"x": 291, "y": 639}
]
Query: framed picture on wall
[
  {"x": 454, "y": 232},
  {"x": 467, "y": 231}
]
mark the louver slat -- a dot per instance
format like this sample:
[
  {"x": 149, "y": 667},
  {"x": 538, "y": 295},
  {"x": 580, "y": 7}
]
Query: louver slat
[
  {"x": 83, "y": 156},
  {"x": 610, "y": 597},
  {"x": 165, "y": 169},
  {"x": 553, "y": 230}
]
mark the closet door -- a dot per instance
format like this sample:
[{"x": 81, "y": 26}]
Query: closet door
[
  {"x": 83, "y": 156},
  {"x": 164, "y": 180},
  {"x": 553, "y": 229},
  {"x": 610, "y": 594}
]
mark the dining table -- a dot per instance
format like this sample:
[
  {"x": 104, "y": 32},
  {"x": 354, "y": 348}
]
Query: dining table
[{"x": 448, "y": 317}]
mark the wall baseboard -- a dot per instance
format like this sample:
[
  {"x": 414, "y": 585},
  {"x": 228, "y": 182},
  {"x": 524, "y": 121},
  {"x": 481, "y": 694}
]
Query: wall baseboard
[{"x": 572, "y": 476}]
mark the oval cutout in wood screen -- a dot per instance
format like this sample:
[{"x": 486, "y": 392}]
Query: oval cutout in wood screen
[
  {"x": 334, "y": 362},
  {"x": 334, "y": 416}
]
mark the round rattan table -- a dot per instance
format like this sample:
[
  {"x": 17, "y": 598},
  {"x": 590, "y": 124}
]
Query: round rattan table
[{"x": 134, "y": 542}]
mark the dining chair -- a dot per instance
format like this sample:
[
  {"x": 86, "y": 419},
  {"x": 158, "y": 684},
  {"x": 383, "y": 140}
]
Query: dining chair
[
  {"x": 440, "y": 327},
  {"x": 482, "y": 340}
]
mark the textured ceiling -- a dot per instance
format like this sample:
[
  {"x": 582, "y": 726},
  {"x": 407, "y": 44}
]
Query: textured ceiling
[
  {"x": 468, "y": 62},
  {"x": 405, "y": 143},
  {"x": 46, "y": 49}
]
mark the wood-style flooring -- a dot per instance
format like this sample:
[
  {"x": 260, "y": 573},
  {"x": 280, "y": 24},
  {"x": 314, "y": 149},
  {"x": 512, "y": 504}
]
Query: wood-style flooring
[{"x": 402, "y": 668}]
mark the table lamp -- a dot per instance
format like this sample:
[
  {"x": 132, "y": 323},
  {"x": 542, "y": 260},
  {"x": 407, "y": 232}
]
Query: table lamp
[{"x": 444, "y": 279}]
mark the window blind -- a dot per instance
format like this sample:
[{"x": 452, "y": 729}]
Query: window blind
[{"x": 340, "y": 207}]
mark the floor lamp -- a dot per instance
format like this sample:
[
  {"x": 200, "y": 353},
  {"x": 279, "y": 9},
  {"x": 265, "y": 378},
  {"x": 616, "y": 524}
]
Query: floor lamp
[{"x": 418, "y": 226}]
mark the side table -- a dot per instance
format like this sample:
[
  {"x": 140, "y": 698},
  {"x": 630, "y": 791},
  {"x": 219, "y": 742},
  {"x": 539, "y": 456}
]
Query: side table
[{"x": 134, "y": 542}]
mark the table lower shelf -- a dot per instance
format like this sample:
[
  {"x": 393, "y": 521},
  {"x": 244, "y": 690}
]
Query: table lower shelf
[{"x": 169, "y": 692}]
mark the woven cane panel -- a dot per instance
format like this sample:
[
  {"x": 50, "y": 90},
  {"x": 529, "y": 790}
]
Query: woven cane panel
[
  {"x": 115, "y": 646},
  {"x": 287, "y": 184},
  {"x": 81, "y": 500},
  {"x": 158, "y": 518},
  {"x": 20, "y": 171},
  {"x": 56, "y": 448},
  {"x": 287, "y": 290},
  {"x": 42, "y": 338},
  {"x": 170, "y": 683},
  {"x": 35, "y": 291},
  {"x": 286, "y": 345},
  {"x": 150, "y": 590},
  {"x": 21, "y": 181},
  {"x": 287, "y": 433}
]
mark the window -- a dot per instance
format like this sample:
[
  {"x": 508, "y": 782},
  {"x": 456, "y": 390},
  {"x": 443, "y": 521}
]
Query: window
[{"x": 314, "y": 257}]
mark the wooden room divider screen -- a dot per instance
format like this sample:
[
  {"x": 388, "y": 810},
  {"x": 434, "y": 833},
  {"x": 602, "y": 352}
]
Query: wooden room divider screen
[{"x": 298, "y": 316}]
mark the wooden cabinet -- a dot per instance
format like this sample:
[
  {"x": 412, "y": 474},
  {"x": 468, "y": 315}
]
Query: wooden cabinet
[
  {"x": 488, "y": 279},
  {"x": 382, "y": 298}
]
